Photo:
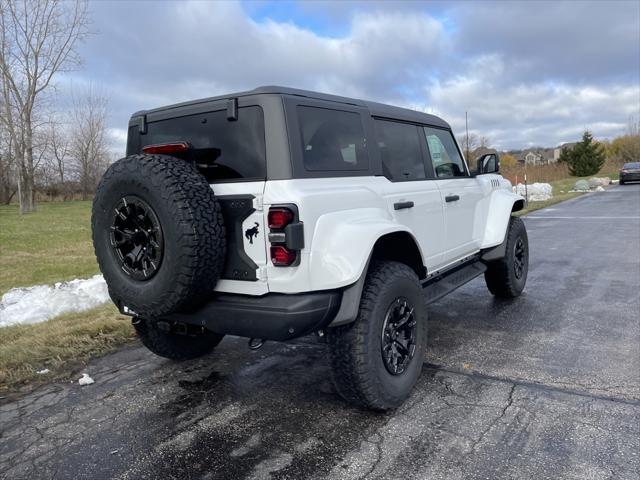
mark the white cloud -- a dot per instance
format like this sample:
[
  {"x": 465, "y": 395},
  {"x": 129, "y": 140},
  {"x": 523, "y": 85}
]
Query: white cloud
[
  {"x": 539, "y": 113},
  {"x": 520, "y": 85}
]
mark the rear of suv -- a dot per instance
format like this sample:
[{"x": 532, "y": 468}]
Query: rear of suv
[{"x": 276, "y": 213}]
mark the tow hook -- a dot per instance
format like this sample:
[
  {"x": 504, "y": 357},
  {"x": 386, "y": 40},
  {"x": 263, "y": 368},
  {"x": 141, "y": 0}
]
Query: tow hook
[{"x": 255, "y": 343}]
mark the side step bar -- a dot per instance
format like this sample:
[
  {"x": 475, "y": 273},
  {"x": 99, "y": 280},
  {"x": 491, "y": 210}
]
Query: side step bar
[{"x": 437, "y": 287}]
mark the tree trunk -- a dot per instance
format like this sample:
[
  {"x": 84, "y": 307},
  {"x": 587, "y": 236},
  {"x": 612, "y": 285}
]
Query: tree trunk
[{"x": 27, "y": 194}]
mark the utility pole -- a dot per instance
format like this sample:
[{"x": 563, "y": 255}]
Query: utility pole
[{"x": 466, "y": 148}]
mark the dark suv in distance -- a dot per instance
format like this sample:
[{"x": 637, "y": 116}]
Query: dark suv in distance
[{"x": 630, "y": 172}]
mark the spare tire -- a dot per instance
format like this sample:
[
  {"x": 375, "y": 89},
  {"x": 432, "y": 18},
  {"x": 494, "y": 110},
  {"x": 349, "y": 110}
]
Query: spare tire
[{"x": 158, "y": 234}]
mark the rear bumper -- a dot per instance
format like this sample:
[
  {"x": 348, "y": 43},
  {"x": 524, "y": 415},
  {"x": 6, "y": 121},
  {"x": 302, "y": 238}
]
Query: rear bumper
[
  {"x": 630, "y": 177},
  {"x": 274, "y": 316}
]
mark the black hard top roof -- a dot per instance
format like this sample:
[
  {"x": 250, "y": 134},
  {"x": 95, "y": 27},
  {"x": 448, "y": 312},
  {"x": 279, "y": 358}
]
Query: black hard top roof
[{"x": 376, "y": 109}]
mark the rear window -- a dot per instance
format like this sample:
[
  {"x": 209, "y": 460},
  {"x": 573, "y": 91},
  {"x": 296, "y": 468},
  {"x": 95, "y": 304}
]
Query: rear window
[
  {"x": 631, "y": 165},
  {"x": 222, "y": 149},
  {"x": 332, "y": 139}
]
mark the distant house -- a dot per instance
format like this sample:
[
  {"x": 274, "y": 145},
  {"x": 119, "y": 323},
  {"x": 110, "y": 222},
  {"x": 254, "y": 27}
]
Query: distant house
[
  {"x": 538, "y": 156},
  {"x": 558, "y": 150}
]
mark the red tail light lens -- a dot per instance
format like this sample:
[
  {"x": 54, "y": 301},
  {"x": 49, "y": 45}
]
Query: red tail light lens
[
  {"x": 282, "y": 256},
  {"x": 167, "y": 148},
  {"x": 279, "y": 217}
]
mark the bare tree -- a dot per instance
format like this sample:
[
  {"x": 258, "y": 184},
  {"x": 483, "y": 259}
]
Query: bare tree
[
  {"x": 88, "y": 139},
  {"x": 8, "y": 186},
  {"x": 59, "y": 149},
  {"x": 38, "y": 39},
  {"x": 469, "y": 142}
]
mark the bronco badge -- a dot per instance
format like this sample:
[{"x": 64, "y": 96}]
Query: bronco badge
[{"x": 252, "y": 232}]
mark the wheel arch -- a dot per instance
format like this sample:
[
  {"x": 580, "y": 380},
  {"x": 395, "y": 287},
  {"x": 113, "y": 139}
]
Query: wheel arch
[{"x": 399, "y": 246}]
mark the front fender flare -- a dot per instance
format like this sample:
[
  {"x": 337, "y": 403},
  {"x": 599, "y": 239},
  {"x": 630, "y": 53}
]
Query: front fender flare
[{"x": 501, "y": 205}]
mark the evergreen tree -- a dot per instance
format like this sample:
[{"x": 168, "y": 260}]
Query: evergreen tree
[
  {"x": 565, "y": 155},
  {"x": 585, "y": 158}
]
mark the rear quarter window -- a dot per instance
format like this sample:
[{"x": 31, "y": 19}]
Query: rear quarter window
[
  {"x": 332, "y": 140},
  {"x": 222, "y": 149}
]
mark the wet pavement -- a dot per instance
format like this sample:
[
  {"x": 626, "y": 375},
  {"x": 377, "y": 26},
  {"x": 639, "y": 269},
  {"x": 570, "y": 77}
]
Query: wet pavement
[{"x": 545, "y": 386}]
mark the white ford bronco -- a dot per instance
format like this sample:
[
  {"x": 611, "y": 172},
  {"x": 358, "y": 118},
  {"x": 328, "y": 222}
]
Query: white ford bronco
[{"x": 277, "y": 213}]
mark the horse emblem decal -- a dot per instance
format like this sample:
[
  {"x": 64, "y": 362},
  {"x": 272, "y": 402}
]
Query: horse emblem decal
[{"x": 252, "y": 232}]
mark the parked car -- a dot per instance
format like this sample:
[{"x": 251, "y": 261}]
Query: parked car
[
  {"x": 276, "y": 213},
  {"x": 630, "y": 172}
]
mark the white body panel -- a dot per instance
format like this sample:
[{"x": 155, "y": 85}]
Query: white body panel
[
  {"x": 344, "y": 217},
  {"x": 462, "y": 217},
  {"x": 256, "y": 249},
  {"x": 424, "y": 220}
]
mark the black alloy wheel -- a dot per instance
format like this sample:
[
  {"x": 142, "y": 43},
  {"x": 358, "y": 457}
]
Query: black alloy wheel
[
  {"x": 399, "y": 332},
  {"x": 136, "y": 238},
  {"x": 519, "y": 260}
]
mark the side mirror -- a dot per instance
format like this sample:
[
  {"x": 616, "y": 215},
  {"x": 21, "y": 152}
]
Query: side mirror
[{"x": 488, "y": 163}]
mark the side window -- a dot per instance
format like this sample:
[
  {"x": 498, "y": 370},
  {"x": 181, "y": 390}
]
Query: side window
[
  {"x": 332, "y": 139},
  {"x": 447, "y": 162},
  {"x": 399, "y": 145}
]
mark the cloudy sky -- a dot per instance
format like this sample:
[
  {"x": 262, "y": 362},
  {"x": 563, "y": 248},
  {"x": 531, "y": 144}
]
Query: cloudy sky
[{"x": 528, "y": 73}]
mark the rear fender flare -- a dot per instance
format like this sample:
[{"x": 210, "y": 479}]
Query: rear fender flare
[{"x": 343, "y": 242}]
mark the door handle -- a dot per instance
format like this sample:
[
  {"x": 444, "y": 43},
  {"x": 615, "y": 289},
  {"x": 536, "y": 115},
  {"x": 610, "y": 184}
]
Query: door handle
[
  {"x": 402, "y": 205},
  {"x": 451, "y": 198}
]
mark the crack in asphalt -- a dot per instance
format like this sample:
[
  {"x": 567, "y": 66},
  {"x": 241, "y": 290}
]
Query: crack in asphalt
[
  {"x": 535, "y": 385},
  {"x": 493, "y": 423},
  {"x": 378, "y": 445}
]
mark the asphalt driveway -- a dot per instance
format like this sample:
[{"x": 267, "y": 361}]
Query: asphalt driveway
[{"x": 546, "y": 386}]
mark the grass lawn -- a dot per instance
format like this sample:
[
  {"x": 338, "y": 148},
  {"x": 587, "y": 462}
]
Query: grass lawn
[{"x": 47, "y": 246}]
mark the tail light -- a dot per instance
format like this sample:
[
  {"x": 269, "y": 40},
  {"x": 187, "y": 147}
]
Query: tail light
[
  {"x": 166, "y": 148},
  {"x": 279, "y": 218},
  {"x": 282, "y": 257},
  {"x": 286, "y": 235}
]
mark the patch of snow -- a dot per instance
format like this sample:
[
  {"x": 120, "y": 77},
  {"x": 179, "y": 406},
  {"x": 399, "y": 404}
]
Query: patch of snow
[
  {"x": 43, "y": 302},
  {"x": 599, "y": 182},
  {"x": 599, "y": 189},
  {"x": 536, "y": 192},
  {"x": 43, "y": 372},
  {"x": 581, "y": 186},
  {"x": 85, "y": 379}
]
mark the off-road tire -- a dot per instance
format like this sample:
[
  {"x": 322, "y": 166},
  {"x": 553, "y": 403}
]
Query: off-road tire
[
  {"x": 173, "y": 345},
  {"x": 500, "y": 276},
  {"x": 359, "y": 373},
  {"x": 192, "y": 227}
]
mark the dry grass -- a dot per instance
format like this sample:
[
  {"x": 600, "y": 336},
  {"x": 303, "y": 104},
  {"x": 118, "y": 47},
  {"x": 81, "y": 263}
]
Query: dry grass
[
  {"x": 558, "y": 176},
  {"x": 60, "y": 345},
  {"x": 554, "y": 173}
]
